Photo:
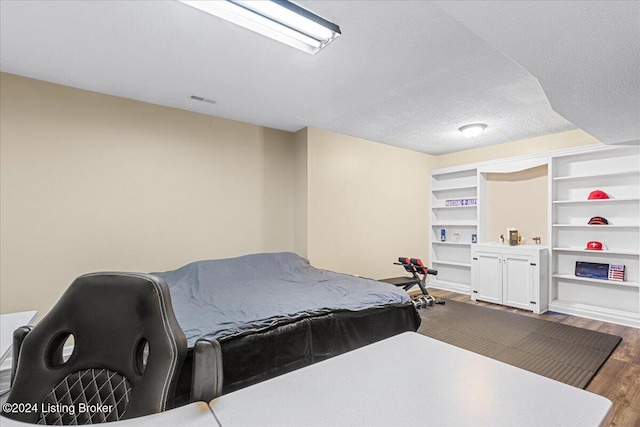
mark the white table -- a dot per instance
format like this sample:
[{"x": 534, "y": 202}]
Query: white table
[
  {"x": 409, "y": 380},
  {"x": 195, "y": 414}
]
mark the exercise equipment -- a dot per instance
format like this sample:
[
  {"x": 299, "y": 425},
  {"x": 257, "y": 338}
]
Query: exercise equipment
[{"x": 419, "y": 273}]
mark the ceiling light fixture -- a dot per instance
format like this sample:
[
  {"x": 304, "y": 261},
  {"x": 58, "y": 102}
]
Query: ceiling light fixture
[
  {"x": 471, "y": 131},
  {"x": 280, "y": 20}
]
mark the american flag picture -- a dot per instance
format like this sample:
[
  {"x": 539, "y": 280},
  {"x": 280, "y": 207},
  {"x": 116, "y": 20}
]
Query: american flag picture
[{"x": 616, "y": 272}]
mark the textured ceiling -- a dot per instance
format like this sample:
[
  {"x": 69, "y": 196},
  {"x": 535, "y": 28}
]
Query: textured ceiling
[
  {"x": 404, "y": 73},
  {"x": 586, "y": 55}
]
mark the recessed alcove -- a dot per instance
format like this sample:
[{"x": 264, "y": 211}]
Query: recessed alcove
[{"x": 517, "y": 200}]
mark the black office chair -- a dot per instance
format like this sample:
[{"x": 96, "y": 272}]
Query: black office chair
[{"x": 128, "y": 353}]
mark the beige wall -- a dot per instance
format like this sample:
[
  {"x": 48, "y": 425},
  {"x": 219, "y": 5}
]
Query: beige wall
[
  {"x": 517, "y": 200},
  {"x": 91, "y": 182},
  {"x": 301, "y": 194},
  {"x": 367, "y": 204},
  {"x": 541, "y": 144}
]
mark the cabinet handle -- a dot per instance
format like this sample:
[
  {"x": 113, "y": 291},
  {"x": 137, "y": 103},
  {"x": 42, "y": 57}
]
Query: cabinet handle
[
  {"x": 532, "y": 302},
  {"x": 475, "y": 292},
  {"x": 533, "y": 264},
  {"x": 475, "y": 258}
]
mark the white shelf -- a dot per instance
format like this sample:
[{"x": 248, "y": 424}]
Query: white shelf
[
  {"x": 455, "y": 207},
  {"x": 597, "y": 227},
  {"x": 596, "y": 176},
  {"x": 604, "y": 201},
  {"x": 452, "y": 243},
  {"x": 452, "y": 263},
  {"x": 591, "y": 311},
  {"x": 459, "y": 188},
  {"x": 455, "y": 224},
  {"x": 463, "y": 288},
  {"x": 603, "y": 252},
  {"x": 602, "y": 281}
]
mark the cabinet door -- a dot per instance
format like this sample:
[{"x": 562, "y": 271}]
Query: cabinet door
[
  {"x": 487, "y": 277},
  {"x": 518, "y": 280}
]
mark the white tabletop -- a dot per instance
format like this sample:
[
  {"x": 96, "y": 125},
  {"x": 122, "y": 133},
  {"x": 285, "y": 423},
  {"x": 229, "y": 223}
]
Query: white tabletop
[
  {"x": 9, "y": 323},
  {"x": 409, "y": 380},
  {"x": 195, "y": 414}
]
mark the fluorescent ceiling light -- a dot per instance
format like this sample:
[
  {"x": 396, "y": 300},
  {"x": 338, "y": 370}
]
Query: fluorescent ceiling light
[
  {"x": 471, "y": 131},
  {"x": 280, "y": 20}
]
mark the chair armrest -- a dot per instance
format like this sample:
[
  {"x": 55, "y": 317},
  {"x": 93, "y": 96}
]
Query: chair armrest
[
  {"x": 206, "y": 383},
  {"x": 18, "y": 337}
]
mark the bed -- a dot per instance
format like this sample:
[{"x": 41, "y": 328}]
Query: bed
[{"x": 273, "y": 313}]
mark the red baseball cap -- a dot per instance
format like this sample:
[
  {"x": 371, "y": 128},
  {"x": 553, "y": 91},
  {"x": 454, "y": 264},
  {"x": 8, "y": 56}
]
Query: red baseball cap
[
  {"x": 594, "y": 246},
  {"x": 597, "y": 194}
]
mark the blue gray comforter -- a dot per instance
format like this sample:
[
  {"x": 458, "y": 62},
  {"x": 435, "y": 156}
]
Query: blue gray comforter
[{"x": 230, "y": 297}]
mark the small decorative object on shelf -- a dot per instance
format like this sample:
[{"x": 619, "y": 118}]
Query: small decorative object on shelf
[
  {"x": 616, "y": 272},
  {"x": 456, "y": 237},
  {"x": 474, "y": 238},
  {"x": 592, "y": 270},
  {"x": 514, "y": 237},
  {"x": 598, "y": 220},
  {"x": 443, "y": 235},
  {"x": 537, "y": 240},
  {"x": 594, "y": 246},
  {"x": 473, "y": 201}
]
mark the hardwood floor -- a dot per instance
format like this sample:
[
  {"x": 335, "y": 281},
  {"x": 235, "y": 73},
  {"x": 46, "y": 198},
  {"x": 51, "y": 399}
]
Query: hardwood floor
[{"x": 619, "y": 378}]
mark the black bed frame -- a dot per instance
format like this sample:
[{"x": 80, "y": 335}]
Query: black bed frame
[{"x": 256, "y": 357}]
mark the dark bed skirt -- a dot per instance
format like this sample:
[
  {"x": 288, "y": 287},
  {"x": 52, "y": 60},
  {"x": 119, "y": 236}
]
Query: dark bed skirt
[{"x": 253, "y": 358}]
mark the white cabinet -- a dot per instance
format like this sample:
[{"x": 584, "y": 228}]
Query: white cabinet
[
  {"x": 453, "y": 193},
  {"x": 510, "y": 275},
  {"x": 486, "y": 271},
  {"x": 615, "y": 171},
  {"x": 522, "y": 284}
]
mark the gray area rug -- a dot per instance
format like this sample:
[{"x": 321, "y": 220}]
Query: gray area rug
[{"x": 561, "y": 352}]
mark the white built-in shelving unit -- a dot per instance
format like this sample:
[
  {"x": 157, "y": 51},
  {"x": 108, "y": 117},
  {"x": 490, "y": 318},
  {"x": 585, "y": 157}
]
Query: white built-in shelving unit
[
  {"x": 616, "y": 171},
  {"x": 573, "y": 174},
  {"x": 452, "y": 257}
]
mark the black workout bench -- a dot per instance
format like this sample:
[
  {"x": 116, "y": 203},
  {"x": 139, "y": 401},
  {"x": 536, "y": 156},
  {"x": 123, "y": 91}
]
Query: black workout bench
[{"x": 416, "y": 267}]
